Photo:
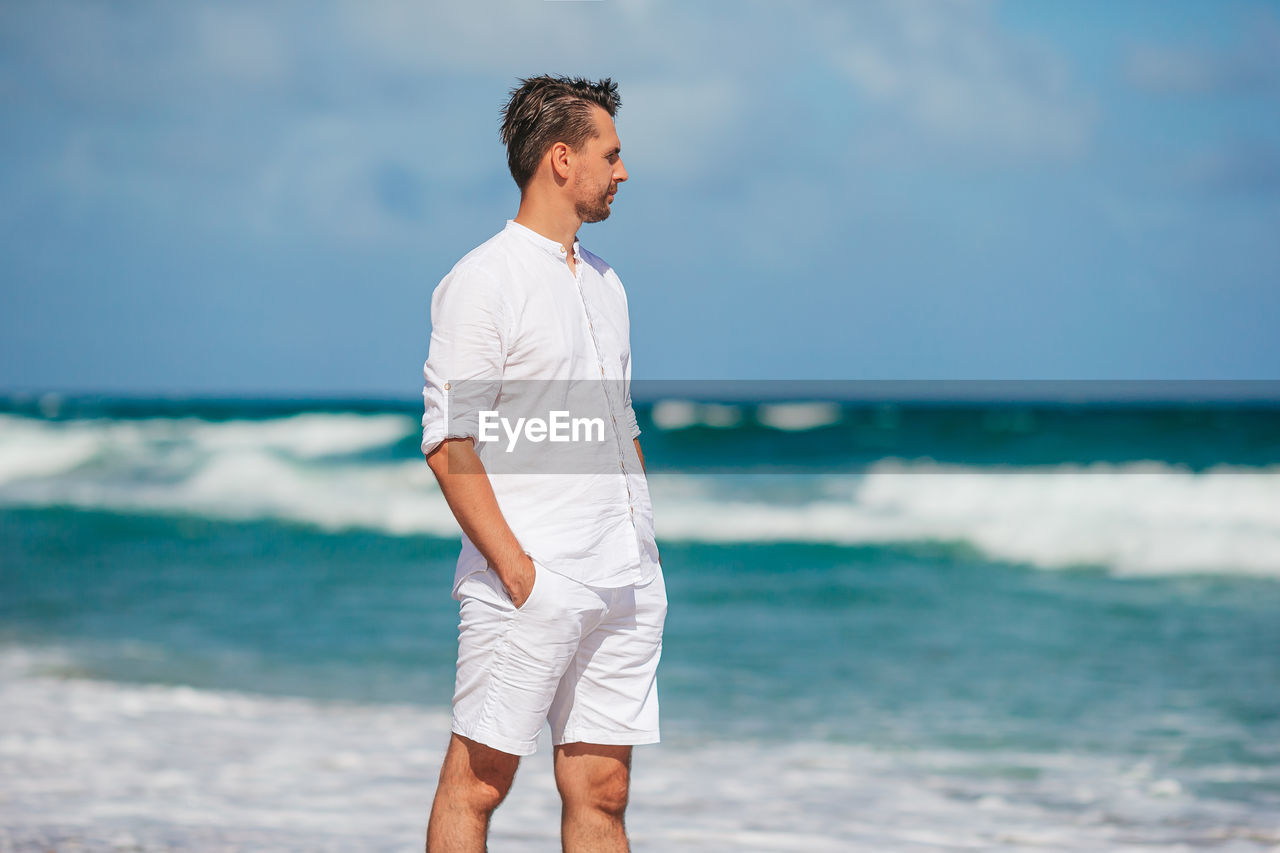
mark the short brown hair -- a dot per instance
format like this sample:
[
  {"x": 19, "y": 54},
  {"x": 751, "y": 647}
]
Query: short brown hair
[{"x": 545, "y": 110}]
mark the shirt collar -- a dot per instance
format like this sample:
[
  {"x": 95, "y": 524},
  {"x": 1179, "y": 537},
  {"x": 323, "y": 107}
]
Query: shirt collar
[{"x": 546, "y": 243}]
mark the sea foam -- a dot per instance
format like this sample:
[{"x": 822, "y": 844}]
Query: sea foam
[
  {"x": 100, "y": 766},
  {"x": 1133, "y": 518},
  {"x": 1145, "y": 518}
]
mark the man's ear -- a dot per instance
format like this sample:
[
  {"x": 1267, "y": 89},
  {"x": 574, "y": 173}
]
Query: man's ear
[{"x": 561, "y": 155}]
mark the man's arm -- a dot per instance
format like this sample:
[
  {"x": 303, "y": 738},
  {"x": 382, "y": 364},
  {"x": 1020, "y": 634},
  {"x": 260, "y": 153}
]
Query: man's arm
[{"x": 469, "y": 493}]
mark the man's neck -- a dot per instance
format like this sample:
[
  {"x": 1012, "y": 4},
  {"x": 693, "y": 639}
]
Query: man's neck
[{"x": 558, "y": 225}]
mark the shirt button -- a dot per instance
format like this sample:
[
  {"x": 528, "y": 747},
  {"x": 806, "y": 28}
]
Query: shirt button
[{"x": 446, "y": 386}]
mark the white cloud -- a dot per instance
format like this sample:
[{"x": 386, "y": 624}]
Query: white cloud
[
  {"x": 949, "y": 69},
  {"x": 677, "y": 127},
  {"x": 945, "y": 66},
  {"x": 279, "y": 113},
  {"x": 241, "y": 44},
  {"x": 1252, "y": 66}
]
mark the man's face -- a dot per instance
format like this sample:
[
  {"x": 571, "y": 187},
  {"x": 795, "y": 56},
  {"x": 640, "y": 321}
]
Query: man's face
[{"x": 599, "y": 171}]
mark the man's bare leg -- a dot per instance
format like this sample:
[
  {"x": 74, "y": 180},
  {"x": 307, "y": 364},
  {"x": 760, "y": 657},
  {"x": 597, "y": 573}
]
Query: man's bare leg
[
  {"x": 474, "y": 779},
  {"x": 593, "y": 782}
]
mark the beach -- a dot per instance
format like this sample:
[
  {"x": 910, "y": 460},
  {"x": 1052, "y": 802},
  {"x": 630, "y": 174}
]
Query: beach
[{"x": 891, "y": 629}]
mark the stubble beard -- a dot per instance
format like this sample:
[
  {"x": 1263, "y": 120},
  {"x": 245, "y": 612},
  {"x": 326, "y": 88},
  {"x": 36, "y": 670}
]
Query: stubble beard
[{"x": 594, "y": 210}]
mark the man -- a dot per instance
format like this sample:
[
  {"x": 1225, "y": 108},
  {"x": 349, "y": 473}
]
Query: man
[{"x": 561, "y": 593}]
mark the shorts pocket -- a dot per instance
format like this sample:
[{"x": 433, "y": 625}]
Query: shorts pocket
[{"x": 537, "y": 585}]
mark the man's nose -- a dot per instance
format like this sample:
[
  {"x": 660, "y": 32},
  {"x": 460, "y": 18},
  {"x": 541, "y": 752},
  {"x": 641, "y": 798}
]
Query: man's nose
[{"x": 620, "y": 173}]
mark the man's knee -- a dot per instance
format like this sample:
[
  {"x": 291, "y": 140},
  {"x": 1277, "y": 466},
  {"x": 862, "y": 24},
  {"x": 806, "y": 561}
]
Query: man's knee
[
  {"x": 480, "y": 796},
  {"x": 609, "y": 794},
  {"x": 477, "y": 776},
  {"x": 598, "y": 783}
]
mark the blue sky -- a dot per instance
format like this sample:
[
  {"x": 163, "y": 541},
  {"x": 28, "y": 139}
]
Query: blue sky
[{"x": 258, "y": 198}]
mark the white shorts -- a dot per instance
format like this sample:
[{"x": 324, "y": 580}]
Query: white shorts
[{"x": 581, "y": 658}]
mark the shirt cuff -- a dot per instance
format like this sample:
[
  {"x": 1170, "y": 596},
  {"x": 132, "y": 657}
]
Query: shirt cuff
[
  {"x": 436, "y": 428},
  {"x": 633, "y": 427}
]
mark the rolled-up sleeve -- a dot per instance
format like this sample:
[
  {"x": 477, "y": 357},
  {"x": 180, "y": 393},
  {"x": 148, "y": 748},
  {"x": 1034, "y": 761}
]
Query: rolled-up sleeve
[
  {"x": 629, "y": 413},
  {"x": 470, "y": 328}
]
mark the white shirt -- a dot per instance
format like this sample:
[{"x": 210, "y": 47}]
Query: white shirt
[{"x": 516, "y": 333}]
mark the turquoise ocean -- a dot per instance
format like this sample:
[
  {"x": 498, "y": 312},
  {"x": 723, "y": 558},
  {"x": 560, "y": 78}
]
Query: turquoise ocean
[{"x": 893, "y": 626}]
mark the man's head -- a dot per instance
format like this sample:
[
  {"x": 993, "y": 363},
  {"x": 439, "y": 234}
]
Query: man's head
[{"x": 571, "y": 119}]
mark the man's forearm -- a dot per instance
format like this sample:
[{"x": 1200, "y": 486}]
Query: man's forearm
[
  {"x": 467, "y": 490},
  {"x": 470, "y": 496}
]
